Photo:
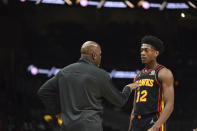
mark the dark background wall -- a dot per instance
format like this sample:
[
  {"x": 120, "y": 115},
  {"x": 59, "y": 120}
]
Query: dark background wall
[{"x": 51, "y": 35}]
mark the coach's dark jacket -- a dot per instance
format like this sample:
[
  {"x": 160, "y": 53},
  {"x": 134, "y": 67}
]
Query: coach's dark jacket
[{"x": 77, "y": 92}]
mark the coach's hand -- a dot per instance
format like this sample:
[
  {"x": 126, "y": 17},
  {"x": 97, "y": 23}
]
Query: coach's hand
[
  {"x": 133, "y": 86},
  {"x": 59, "y": 117}
]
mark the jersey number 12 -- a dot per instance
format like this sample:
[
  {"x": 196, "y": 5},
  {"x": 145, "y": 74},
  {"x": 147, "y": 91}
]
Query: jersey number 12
[{"x": 141, "y": 96}]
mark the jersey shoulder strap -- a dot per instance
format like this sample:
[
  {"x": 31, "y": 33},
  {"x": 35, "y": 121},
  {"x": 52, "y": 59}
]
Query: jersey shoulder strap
[
  {"x": 157, "y": 72},
  {"x": 137, "y": 76}
]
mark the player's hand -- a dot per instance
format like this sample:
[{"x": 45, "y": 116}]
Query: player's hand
[
  {"x": 131, "y": 119},
  {"x": 132, "y": 116},
  {"x": 133, "y": 86},
  {"x": 153, "y": 129}
]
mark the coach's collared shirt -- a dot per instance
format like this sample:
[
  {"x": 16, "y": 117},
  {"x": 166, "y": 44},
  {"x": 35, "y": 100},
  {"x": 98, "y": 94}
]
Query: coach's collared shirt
[{"x": 77, "y": 92}]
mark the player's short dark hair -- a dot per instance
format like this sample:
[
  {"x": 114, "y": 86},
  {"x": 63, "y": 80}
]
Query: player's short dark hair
[{"x": 153, "y": 41}]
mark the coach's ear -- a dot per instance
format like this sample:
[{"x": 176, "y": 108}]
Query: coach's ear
[{"x": 94, "y": 56}]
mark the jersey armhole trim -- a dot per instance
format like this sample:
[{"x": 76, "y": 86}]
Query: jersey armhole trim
[{"x": 159, "y": 83}]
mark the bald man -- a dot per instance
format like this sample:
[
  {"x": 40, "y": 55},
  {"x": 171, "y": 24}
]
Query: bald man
[{"x": 78, "y": 90}]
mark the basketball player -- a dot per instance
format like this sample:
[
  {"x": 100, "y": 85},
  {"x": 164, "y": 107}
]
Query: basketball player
[{"x": 154, "y": 99}]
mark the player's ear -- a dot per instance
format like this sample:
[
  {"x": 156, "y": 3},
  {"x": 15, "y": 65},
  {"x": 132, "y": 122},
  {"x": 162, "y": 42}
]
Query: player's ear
[{"x": 156, "y": 53}]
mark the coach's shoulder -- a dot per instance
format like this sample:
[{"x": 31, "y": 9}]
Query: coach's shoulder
[{"x": 103, "y": 73}]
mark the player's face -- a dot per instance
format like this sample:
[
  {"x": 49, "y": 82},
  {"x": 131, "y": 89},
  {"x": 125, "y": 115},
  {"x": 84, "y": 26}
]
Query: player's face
[{"x": 148, "y": 54}]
